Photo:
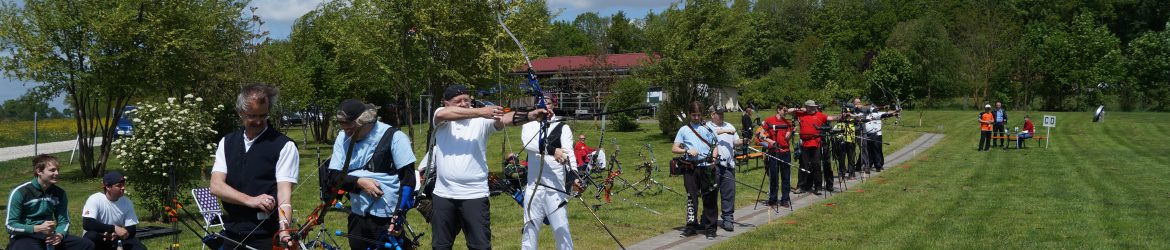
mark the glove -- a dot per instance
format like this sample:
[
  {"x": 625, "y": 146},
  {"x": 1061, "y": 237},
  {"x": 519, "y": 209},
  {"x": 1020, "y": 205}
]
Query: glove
[{"x": 406, "y": 198}]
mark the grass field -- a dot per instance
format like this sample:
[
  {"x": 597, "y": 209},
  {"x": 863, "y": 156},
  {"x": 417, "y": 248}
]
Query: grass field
[
  {"x": 17, "y": 133},
  {"x": 629, "y": 222},
  {"x": 1099, "y": 185}
]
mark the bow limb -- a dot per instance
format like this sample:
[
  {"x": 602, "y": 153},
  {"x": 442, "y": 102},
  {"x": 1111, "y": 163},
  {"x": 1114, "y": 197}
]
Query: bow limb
[{"x": 540, "y": 104}]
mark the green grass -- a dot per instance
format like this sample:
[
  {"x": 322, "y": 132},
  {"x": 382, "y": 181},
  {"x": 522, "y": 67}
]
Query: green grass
[
  {"x": 629, "y": 222},
  {"x": 1099, "y": 185},
  {"x": 19, "y": 133}
]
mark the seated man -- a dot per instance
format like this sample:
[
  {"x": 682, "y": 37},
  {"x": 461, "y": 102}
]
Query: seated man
[
  {"x": 38, "y": 211},
  {"x": 108, "y": 217},
  {"x": 1027, "y": 133}
]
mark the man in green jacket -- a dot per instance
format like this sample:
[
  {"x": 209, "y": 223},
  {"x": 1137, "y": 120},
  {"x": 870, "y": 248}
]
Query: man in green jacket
[{"x": 38, "y": 214}]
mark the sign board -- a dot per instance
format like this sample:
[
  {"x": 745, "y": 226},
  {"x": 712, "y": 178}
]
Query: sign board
[{"x": 1049, "y": 121}]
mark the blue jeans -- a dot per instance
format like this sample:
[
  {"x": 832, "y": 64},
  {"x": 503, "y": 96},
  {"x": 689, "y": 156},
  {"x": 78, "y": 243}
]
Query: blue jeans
[{"x": 1020, "y": 139}]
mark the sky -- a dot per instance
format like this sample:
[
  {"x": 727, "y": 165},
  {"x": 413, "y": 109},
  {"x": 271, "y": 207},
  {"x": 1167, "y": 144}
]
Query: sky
[{"x": 279, "y": 16}]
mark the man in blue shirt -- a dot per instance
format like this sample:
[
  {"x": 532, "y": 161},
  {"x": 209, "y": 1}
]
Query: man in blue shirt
[
  {"x": 375, "y": 164},
  {"x": 998, "y": 128},
  {"x": 694, "y": 141}
]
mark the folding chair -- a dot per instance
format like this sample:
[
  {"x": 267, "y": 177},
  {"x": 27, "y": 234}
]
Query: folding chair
[{"x": 208, "y": 207}]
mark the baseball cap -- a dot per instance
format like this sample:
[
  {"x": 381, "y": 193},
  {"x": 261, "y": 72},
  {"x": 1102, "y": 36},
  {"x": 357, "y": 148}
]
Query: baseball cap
[{"x": 113, "y": 177}]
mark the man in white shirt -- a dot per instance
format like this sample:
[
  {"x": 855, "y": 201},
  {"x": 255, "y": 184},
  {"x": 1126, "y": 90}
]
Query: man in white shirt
[
  {"x": 461, "y": 170},
  {"x": 727, "y": 139},
  {"x": 254, "y": 171},
  {"x": 550, "y": 197},
  {"x": 108, "y": 216},
  {"x": 873, "y": 134}
]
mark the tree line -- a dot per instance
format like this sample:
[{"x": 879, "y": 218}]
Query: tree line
[{"x": 1029, "y": 54}]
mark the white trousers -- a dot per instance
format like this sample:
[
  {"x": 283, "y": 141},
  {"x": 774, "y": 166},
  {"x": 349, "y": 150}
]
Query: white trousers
[{"x": 546, "y": 202}]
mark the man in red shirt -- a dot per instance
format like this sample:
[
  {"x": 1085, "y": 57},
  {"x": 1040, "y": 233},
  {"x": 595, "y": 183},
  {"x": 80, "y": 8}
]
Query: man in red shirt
[
  {"x": 1027, "y": 133},
  {"x": 582, "y": 150},
  {"x": 774, "y": 133},
  {"x": 810, "y": 118}
]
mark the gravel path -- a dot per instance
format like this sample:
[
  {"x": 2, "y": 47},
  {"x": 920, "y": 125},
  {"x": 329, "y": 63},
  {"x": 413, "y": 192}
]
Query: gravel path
[
  {"x": 10, "y": 153},
  {"x": 751, "y": 216}
]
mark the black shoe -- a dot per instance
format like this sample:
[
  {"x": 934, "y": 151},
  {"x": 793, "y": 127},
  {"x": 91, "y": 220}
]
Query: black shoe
[
  {"x": 728, "y": 226},
  {"x": 830, "y": 190},
  {"x": 816, "y": 192},
  {"x": 787, "y": 204},
  {"x": 710, "y": 233},
  {"x": 879, "y": 170},
  {"x": 688, "y": 232}
]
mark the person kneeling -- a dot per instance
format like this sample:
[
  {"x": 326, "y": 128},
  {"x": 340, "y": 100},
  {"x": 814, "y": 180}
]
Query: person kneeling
[{"x": 108, "y": 217}]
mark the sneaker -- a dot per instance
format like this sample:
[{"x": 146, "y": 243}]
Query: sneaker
[
  {"x": 728, "y": 226},
  {"x": 710, "y": 233},
  {"x": 688, "y": 232},
  {"x": 816, "y": 192}
]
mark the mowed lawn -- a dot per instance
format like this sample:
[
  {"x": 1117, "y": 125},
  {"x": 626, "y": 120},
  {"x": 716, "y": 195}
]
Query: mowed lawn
[
  {"x": 628, "y": 221},
  {"x": 1099, "y": 185}
]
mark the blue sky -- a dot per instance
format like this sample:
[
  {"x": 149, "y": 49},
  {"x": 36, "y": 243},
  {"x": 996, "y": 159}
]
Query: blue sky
[{"x": 279, "y": 16}]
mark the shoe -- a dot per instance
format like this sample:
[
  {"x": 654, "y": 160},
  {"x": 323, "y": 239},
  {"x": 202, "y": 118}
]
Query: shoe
[
  {"x": 728, "y": 226},
  {"x": 688, "y": 232},
  {"x": 879, "y": 170},
  {"x": 710, "y": 233},
  {"x": 816, "y": 192},
  {"x": 799, "y": 191},
  {"x": 787, "y": 204},
  {"x": 830, "y": 190}
]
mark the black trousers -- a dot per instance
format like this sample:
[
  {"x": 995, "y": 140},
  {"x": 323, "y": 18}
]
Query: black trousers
[
  {"x": 37, "y": 241},
  {"x": 874, "y": 145},
  {"x": 450, "y": 216},
  {"x": 984, "y": 140},
  {"x": 810, "y": 159},
  {"x": 844, "y": 153},
  {"x": 368, "y": 227},
  {"x": 826, "y": 166},
  {"x": 779, "y": 171},
  {"x": 99, "y": 244},
  {"x": 257, "y": 241},
  {"x": 699, "y": 184},
  {"x": 998, "y": 130}
]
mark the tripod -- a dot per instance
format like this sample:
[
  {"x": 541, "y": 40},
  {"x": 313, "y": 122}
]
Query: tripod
[{"x": 648, "y": 180}]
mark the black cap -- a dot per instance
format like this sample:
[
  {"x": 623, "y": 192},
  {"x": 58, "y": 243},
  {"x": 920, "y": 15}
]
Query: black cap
[
  {"x": 453, "y": 91},
  {"x": 113, "y": 177},
  {"x": 350, "y": 109}
]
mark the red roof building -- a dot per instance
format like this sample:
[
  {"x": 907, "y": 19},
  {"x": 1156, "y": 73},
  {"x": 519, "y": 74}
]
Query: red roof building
[{"x": 581, "y": 83}]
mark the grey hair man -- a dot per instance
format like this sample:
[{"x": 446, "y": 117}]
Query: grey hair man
[{"x": 254, "y": 171}]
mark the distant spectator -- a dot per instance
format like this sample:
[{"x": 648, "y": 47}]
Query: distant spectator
[
  {"x": 1027, "y": 133},
  {"x": 985, "y": 120},
  {"x": 998, "y": 128}
]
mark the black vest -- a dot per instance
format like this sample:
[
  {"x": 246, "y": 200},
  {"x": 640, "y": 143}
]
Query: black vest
[{"x": 252, "y": 173}]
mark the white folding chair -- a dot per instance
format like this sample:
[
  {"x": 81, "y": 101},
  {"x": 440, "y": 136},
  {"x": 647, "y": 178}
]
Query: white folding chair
[{"x": 208, "y": 207}]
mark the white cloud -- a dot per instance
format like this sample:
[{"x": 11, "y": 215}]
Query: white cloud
[{"x": 283, "y": 10}]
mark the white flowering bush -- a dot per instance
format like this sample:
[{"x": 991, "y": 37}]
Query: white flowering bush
[{"x": 172, "y": 134}]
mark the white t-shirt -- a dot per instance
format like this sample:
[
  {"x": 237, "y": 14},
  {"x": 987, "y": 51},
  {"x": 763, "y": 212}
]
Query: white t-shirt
[
  {"x": 118, "y": 213},
  {"x": 554, "y": 173},
  {"x": 874, "y": 125},
  {"x": 461, "y": 169},
  {"x": 287, "y": 166},
  {"x": 726, "y": 142}
]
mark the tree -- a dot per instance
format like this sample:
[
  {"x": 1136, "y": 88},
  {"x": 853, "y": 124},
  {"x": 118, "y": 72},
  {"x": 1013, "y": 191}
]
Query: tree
[
  {"x": 700, "y": 45},
  {"x": 103, "y": 53},
  {"x": 1076, "y": 60},
  {"x": 1149, "y": 65},
  {"x": 926, "y": 44}
]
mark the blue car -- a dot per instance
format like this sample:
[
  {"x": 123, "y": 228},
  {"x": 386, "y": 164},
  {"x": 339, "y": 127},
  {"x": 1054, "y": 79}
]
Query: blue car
[{"x": 125, "y": 126}]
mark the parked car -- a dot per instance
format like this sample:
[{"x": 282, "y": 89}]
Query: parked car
[
  {"x": 292, "y": 119},
  {"x": 125, "y": 125}
]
